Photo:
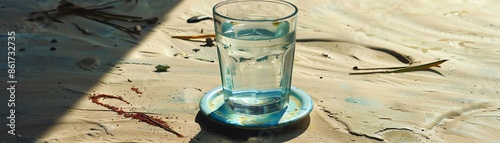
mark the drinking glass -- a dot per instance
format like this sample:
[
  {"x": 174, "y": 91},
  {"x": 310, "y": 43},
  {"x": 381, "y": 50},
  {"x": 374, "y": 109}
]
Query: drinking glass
[{"x": 255, "y": 47}]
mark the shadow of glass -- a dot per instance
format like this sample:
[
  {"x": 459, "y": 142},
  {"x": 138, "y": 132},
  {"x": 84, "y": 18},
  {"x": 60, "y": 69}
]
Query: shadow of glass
[{"x": 214, "y": 132}]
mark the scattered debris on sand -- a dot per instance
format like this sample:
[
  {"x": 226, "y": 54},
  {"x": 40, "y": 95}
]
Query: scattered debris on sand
[
  {"x": 162, "y": 68},
  {"x": 92, "y": 12}
]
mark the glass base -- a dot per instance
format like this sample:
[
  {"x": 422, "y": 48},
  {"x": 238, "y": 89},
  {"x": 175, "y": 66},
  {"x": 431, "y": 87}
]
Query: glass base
[
  {"x": 257, "y": 109},
  {"x": 215, "y": 108}
]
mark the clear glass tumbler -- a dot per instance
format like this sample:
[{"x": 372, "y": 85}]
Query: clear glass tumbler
[{"x": 255, "y": 46}]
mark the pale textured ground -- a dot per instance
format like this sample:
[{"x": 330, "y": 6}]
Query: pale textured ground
[{"x": 458, "y": 102}]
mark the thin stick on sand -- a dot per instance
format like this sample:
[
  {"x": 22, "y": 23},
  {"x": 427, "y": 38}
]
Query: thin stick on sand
[
  {"x": 400, "y": 69},
  {"x": 110, "y": 24},
  {"x": 195, "y": 36}
]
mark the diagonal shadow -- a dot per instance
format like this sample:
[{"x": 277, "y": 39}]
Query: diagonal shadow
[
  {"x": 402, "y": 58},
  {"x": 48, "y": 81},
  {"x": 214, "y": 132}
]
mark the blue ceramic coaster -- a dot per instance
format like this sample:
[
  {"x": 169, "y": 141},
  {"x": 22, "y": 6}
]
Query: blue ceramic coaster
[{"x": 299, "y": 106}]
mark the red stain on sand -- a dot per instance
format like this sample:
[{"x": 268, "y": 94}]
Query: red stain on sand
[
  {"x": 136, "y": 90},
  {"x": 136, "y": 115}
]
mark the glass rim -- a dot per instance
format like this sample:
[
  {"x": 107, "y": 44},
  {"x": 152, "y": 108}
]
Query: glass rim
[{"x": 295, "y": 11}]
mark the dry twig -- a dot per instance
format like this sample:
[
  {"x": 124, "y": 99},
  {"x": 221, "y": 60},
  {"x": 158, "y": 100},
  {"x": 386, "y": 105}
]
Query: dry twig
[
  {"x": 400, "y": 69},
  {"x": 92, "y": 12}
]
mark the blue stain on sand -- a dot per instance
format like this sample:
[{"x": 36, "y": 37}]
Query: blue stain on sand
[{"x": 360, "y": 101}]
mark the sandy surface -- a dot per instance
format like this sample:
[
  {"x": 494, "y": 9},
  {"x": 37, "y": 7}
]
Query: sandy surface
[{"x": 459, "y": 102}]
